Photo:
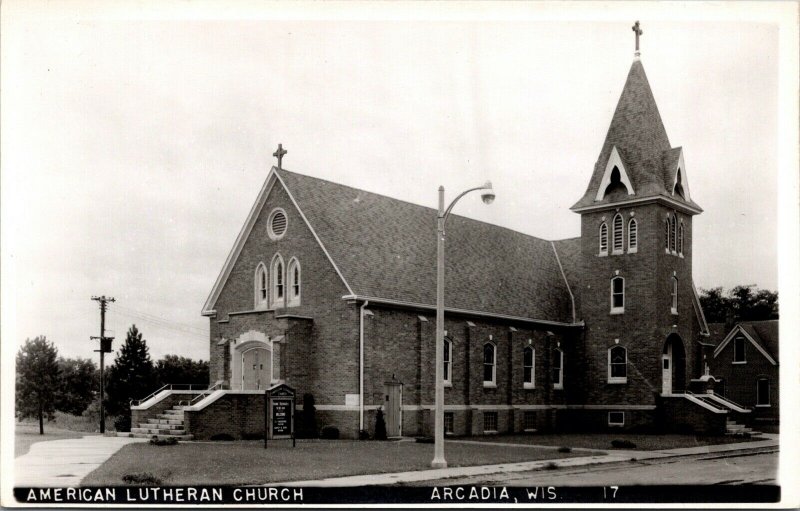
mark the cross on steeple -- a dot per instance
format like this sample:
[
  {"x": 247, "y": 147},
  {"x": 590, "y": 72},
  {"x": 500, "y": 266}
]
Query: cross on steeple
[
  {"x": 638, "y": 32},
  {"x": 279, "y": 154}
]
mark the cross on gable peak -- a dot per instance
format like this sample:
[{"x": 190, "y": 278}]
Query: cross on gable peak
[{"x": 279, "y": 154}]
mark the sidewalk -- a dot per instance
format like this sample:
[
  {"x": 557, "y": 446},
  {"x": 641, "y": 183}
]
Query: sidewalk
[
  {"x": 65, "y": 462},
  {"x": 614, "y": 456}
]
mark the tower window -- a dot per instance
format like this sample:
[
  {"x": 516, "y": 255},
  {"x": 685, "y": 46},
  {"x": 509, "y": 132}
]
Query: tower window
[
  {"x": 674, "y": 307},
  {"x": 617, "y": 295},
  {"x": 678, "y": 186},
  {"x": 617, "y": 234},
  {"x": 666, "y": 235},
  {"x": 672, "y": 228},
  {"x": 615, "y": 184},
  {"x": 680, "y": 239},
  {"x": 528, "y": 357},
  {"x": 617, "y": 365},
  {"x": 489, "y": 367},
  {"x": 603, "y": 239},
  {"x": 633, "y": 236}
]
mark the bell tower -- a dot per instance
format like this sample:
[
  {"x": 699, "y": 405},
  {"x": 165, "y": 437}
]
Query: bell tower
[{"x": 638, "y": 300}]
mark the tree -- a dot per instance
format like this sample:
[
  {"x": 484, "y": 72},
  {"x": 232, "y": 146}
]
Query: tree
[
  {"x": 131, "y": 376},
  {"x": 78, "y": 384},
  {"x": 176, "y": 369},
  {"x": 742, "y": 303},
  {"x": 37, "y": 380}
]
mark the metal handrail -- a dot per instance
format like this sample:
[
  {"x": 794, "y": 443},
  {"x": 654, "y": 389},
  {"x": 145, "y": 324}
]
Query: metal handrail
[
  {"x": 730, "y": 401},
  {"x": 170, "y": 386},
  {"x": 202, "y": 395}
]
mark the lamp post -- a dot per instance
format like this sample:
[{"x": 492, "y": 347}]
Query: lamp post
[{"x": 441, "y": 220}]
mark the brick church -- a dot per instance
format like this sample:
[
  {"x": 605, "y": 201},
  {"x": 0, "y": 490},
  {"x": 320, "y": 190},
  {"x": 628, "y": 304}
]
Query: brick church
[{"x": 331, "y": 290}]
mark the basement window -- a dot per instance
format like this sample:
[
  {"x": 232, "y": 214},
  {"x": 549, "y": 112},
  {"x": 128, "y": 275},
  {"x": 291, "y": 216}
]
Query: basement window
[
  {"x": 490, "y": 422},
  {"x": 449, "y": 419},
  {"x": 616, "y": 419}
]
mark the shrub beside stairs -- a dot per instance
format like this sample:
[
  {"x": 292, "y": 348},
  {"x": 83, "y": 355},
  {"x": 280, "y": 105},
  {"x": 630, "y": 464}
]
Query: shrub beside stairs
[{"x": 165, "y": 425}]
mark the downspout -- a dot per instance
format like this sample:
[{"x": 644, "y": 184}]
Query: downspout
[{"x": 361, "y": 366}]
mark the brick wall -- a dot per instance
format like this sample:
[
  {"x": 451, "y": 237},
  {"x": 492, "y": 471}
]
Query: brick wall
[{"x": 678, "y": 414}]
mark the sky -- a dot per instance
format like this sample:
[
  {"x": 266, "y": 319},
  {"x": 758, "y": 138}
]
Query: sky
[{"x": 134, "y": 144}]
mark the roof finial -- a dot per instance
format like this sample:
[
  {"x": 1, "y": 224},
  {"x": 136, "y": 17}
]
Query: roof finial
[
  {"x": 279, "y": 155},
  {"x": 638, "y": 31}
]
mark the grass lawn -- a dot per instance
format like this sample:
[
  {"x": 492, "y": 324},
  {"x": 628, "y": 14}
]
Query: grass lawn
[
  {"x": 247, "y": 462},
  {"x": 27, "y": 434},
  {"x": 603, "y": 440}
]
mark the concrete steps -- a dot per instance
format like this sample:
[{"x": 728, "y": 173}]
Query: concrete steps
[
  {"x": 734, "y": 428},
  {"x": 168, "y": 424}
]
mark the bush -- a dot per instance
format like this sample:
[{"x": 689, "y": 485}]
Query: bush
[
  {"x": 380, "y": 426},
  {"x": 623, "y": 444},
  {"x": 307, "y": 425},
  {"x": 144, "y": 479},
  {"x": 565, "y": 449},
  {"x": 123, "y": 423},
  {"x": 252, "y": 436},
  {"x": 167, "y": 440},
  {"x": 551, "y": 466},
  {"x": 221, "y": 437},
  {"x": 363, "y": 434},
  {"x": 424, "y": 440},
  {"x": 330, "y": 433}
]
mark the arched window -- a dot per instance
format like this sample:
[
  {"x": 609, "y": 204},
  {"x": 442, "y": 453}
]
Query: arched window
[
  {"x": 674, "y": 307},
  {"x": 666, "y": 235},
  {"x": 616, "y": 228},
  {"x": 448, "y": 356},
  {"x": 294, "y": 282},
  {"x": 680, "y": 239},
  {"x": 260, "y": 285},
  {"x": 617, "y": 365},
  {"x": 672, "y": 229},
  {"x": 558, "y": 369},
  {"x": 633, "y": 236},
  {"x": 276, "y": 272},
  {"x": 528, "y": 372},
  {"x": 489, "y": 367},
  {"x": 617, "y": 295},
  {"x": 603, "y": 239}
]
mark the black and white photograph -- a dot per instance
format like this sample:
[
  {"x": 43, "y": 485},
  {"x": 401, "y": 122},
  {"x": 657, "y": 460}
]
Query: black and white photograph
[{"x": 399, "y": 253}]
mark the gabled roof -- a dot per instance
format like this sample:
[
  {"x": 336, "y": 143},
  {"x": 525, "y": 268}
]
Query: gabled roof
[
  {"x": 386, "y": 248},
  {"x": 641, "y": 139},
  {"x": 762, "y": 334}
]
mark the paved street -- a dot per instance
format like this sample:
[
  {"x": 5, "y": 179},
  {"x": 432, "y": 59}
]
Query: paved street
[{"x": 715, "y": 468}]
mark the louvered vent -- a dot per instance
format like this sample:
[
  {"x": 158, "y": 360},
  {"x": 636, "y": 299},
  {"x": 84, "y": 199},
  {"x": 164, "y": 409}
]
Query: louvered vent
[{"x": 278, "y": 224}]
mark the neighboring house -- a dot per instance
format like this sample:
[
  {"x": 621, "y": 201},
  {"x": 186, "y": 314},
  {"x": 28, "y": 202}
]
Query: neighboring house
[
  {"x": 331, "y": 290},
  {"x": 746, "y": 361}
]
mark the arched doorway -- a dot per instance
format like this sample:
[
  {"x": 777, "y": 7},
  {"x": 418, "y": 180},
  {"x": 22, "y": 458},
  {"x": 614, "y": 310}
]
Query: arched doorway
[
  {"x": 673, "y": 366},
  {"x": 253, "y": 362}
]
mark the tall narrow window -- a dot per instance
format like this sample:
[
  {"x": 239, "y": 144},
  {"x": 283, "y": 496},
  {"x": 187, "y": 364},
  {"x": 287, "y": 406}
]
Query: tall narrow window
[
  {"x": 294, "y": 282},
  {"x": 762, "y": 392},
  {"x": 633, "y": 236},
  {"x": 528, "y": 357},
  {"x": 674, "y": 295},
  {"x": 617, "y": 365},
  {"x": 666, "y": 234},
  {"x": 277, "y": 281},
  {"x": 672, "y": 233},
  {"x": 617, "y": 235},
  {"x": 603, "y": 239},
  {"x": 738, "y": 350},
  {"x": 617, "y": 295},
  {"x": 489, "y": 368},
  {"x": 558, "y": 369},
  {"x": 448, "y": 356},
  {"x": 261, "y": 287},
  {"x": 680, "y": 239}
]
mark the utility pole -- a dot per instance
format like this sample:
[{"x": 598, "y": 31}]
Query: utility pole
[{"x": 105, "y": 347}]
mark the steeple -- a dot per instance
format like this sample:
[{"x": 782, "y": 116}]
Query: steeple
[{"x": 642, "y": 146}]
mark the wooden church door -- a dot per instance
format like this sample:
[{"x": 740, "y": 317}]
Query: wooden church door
[
  {"x": 256, "y": 368},
  {"x": 393, "y": 407}
]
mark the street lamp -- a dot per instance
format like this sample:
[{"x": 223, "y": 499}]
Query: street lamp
[{"x": 441, "y": 219}]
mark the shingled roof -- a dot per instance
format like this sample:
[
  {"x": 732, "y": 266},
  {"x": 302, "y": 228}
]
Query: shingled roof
[
  {"x": 639, "y": 135},
  {"x": 386, "y": 248},
  {"x": 764, "y": 333}
]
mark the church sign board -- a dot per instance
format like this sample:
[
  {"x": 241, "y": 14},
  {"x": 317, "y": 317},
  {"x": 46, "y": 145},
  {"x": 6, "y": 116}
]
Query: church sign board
[{"x": 279, "y": 406}]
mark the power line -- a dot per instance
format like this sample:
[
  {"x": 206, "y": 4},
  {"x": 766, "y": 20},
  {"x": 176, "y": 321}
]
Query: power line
[{"x": 157, "y": 319}]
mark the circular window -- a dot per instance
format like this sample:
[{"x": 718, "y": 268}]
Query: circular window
[{"x": 277, "y": 224}]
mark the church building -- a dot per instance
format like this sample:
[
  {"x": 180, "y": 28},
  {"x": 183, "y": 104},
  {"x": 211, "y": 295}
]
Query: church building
[{"x": 331, "y": 290}]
